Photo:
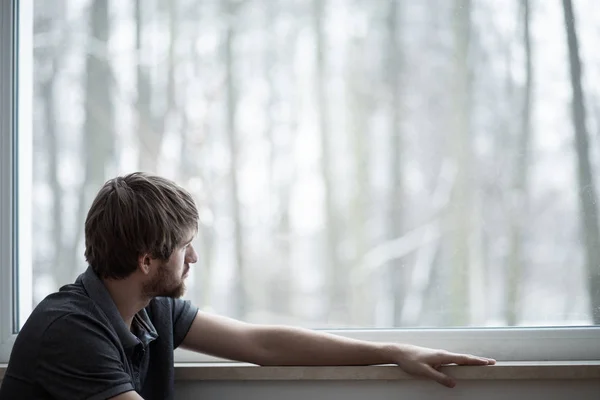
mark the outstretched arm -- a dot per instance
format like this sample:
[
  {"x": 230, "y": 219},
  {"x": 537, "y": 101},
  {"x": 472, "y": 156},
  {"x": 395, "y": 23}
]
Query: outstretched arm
[{"x": 283, "y": 345}]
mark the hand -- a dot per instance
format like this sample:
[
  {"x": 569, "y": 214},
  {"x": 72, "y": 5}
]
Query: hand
[{"x": 425, "y": 362}]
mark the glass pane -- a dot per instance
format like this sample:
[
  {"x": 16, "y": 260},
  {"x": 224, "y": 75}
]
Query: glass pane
[{"x": 357, "y": 164}]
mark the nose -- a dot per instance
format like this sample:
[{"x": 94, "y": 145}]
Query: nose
[{"x": 191, "y": 257}]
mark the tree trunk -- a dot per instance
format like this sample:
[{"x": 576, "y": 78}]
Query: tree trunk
[
  {"x": 99, "y": 134},
  {"x": 148, "y": 149},
  {"x": 193, "y": 165},
  {"x": 270, "y": 60},
  {"x": 280, "y": 299},
  {"x": 517, "y": 259},
  {"x": 99, "y": 114},
  {"x": 587, "y": 196},
  {"x": 337, "y": 290},
  {"x": 151, "y": 125},
  {"x": 398, "y": 276},
  {"x": 358, "y": 110},
  {"x": 50, "y": 57},
  {"x": 53, "y": 148},
  {"x": 241, "y": 296},
  {"x": 461, "y": 150}
]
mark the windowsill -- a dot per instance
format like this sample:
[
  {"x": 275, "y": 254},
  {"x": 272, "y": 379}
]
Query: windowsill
[
  {"x": 502, "y": 371},
  {"x": 530, "y": 370}
]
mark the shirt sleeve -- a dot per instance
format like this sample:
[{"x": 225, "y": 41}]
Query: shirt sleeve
[
  {"x": 79, "y": 359},
  {"x": 184, "y": 314}
]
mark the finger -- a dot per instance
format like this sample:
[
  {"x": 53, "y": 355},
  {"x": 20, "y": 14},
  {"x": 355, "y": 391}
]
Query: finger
[
  {"x": 440, "y": 377},
  {"x": 467, "y": 359}
]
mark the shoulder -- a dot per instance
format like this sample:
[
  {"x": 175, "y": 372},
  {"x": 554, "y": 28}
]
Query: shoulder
[
  {"x": 68, "y": 303},
  {"x": 82, "y": 327},
  {"x": 76, "y": 355},
  {"x": 63, "y": 328},
  {"x": 62, "y": 316}
]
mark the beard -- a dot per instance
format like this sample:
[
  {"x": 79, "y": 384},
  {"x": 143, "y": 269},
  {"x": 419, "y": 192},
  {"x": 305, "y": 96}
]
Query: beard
[{"x": 164, "y": 284}]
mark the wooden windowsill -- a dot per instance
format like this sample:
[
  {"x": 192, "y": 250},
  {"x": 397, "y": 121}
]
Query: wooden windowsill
[
  {"x": 552, "y": 370},
  {"x": 503, "y": 370}
]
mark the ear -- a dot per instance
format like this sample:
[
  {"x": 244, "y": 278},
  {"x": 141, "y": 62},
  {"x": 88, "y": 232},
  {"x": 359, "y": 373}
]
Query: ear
[{"x": 144, "y": 263}]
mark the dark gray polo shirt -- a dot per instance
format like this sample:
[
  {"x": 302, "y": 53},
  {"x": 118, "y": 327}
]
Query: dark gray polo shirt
[{"x": 75, "y": 345}]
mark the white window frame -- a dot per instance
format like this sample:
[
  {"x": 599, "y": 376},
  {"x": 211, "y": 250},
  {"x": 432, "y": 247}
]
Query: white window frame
[
  {"x": 16, "y": 98},
  {"x": 16, "y": 63},
  {"x": 6, "y": 174}
]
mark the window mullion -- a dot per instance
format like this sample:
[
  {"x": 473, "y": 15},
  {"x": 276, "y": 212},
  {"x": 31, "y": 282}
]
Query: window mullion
[{"x": 7, "y": 171}]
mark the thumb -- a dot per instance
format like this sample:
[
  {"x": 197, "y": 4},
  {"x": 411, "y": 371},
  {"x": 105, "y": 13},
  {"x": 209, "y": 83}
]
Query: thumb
[{"x": 440, "y": 377}]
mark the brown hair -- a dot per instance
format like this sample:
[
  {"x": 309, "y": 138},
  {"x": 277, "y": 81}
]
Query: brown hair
[{"x": 133, "y": 215}]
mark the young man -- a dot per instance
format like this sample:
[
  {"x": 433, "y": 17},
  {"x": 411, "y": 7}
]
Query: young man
[{"x": 112, "y": 333}]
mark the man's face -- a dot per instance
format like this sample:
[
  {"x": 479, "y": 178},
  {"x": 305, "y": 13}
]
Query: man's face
[{"x": 169, "y": 278}]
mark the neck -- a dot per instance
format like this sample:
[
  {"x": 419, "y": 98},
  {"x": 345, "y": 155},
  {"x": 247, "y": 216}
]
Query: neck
[{"x": 127, "y": 296}]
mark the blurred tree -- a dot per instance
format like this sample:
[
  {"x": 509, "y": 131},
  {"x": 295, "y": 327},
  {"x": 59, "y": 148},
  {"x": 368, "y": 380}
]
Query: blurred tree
[
  {"x": 49, "y": 23},
  {"x": 587, "y": 195},
  {"x": 336, "y": 287},
  {"x": 99, "y": 137},
  {"x": 231, "y": 17},
  {"x": 278, "y": 137},
  {"x": 271, "y": 67},
  {"x": 460, "y": 147},
  {"x": 152, "y": 118},
  {"x": 520, "y": 204},
  {"x": 394, "y": 52},
  {"x": 359, "y": 108},
  {"x": 195, "y": 149}
]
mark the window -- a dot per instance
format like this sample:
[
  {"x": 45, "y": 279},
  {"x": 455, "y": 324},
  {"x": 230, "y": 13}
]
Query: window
[{"x": 393, "y": 170}]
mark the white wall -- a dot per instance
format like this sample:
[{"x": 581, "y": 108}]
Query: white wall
[{"x": 375, "y": 390}]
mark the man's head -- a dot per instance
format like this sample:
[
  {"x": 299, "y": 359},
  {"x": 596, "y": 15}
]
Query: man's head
[{"x": 141, "y": 222}]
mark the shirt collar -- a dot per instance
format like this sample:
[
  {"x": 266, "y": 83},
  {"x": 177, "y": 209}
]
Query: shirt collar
[
  {"x": 100, "y": 295},
  {"x": 146, "y": 328}
]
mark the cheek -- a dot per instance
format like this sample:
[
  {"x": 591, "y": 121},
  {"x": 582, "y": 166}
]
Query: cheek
[{"x": 180, "y": 260}]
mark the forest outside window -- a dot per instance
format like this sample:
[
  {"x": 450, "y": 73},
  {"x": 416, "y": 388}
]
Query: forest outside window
[{"x": 358, "y": 165}]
